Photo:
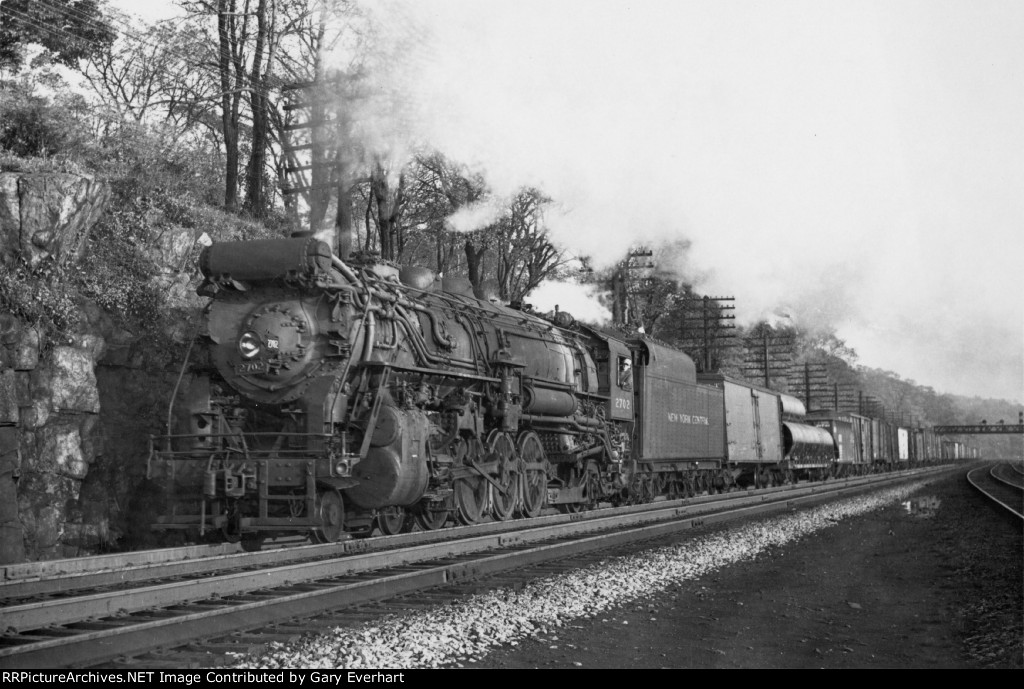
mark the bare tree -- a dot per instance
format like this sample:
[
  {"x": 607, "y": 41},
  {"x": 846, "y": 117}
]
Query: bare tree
[
  {"x": 232, "y": 32},
  {"x": 164, "y": 78},
  {"x": 388, "y": 190},
  {"x": 438, "y": 188},
  {"x": 267, "y": 41},
  {"x": 525, "y": 255}
]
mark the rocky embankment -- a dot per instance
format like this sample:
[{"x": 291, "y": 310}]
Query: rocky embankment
[{"x": 70, "y": 434}]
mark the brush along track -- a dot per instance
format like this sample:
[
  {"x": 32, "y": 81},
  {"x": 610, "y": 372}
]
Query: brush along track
[{"x": 174, "y": 604}]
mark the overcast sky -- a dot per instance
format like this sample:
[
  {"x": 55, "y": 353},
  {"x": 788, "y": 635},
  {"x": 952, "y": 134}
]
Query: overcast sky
[{"x": 854, "y": 163}]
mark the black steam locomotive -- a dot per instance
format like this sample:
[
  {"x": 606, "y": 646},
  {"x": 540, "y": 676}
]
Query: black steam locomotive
[{"x": 339, "y": 398}]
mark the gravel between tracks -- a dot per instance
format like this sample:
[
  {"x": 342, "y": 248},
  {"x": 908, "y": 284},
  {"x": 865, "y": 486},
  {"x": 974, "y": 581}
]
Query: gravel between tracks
[{"x": 667, "y": 595}]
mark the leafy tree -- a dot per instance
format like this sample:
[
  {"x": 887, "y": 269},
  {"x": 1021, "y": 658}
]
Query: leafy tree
[
  {"x": 70, "y": 30},
  {"x": 32, "y": 124}
]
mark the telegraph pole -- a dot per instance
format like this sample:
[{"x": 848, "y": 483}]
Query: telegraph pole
[
  {"x": 767, "y": 354},
  {"x": 706, "y": 328}
]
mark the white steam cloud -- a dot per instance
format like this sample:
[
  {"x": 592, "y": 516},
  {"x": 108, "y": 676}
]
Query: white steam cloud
[
  {"x": 855, "y": 162},
  {"x": 475, "y": 216},
  {"x": 583, "y": 302}
]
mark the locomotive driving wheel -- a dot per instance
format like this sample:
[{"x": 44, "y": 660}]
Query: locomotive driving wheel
[
  {"x": 331, "y": 510},
  {"x": 504, "y": 495},
  {"x": 470, "y": 489},
  {"x": 535, "y": 475}
]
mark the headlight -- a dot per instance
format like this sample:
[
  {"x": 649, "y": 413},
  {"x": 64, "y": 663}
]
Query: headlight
[{"x": 249, "y": 345}]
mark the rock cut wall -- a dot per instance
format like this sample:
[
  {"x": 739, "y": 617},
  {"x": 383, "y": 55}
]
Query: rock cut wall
[{"x": 49, "y": 403}]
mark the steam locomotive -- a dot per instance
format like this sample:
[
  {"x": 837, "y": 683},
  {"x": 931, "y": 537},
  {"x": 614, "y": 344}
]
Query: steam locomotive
[{"x": 336, "y": 399}]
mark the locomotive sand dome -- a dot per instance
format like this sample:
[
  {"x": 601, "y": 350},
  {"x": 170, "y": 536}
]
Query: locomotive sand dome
[{"x": 338, "y": 397}]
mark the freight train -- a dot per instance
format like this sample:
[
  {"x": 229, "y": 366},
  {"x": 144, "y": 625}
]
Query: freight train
[{"x": 332, "y": 399}]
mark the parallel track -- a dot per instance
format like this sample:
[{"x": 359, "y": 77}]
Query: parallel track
[
  {"x": 1002, "y": 484},
  {"x": 67, "y": 622}
]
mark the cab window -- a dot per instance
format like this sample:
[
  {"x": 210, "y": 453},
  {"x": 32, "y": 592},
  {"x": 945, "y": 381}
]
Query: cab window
[{"x": 625, "y": 369}]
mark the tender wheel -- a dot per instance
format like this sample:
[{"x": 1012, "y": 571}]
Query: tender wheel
[
  {"x": 331, "y": 510},
  {"x": 535, "y": 480},
  {"x": 645, "y": 494},
  {"x": 660, "y": 485},
  {"x": 505, "y": 500},
  {"x": 391, "y": 520},
  {"x": 640, "y": 489}
]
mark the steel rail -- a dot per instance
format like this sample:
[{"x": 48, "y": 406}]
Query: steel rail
[
  {"x": 984, "y": 480},
  {"x": 64, "y": 577},
  {"x": 1007, "y": 474},
  {"x": 245, "y": 600}
]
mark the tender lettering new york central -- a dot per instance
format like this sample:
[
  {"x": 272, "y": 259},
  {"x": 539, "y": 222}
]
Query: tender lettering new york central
[{"x": 688, "y": 418}]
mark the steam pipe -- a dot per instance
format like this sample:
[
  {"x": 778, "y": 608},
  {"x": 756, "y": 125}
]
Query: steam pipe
[
  {"x": 416, "y": 338},
  {"x": 582, "y": 424},
  {"x": 371, "y": 335},
  {"x": 345, "y": 271}
]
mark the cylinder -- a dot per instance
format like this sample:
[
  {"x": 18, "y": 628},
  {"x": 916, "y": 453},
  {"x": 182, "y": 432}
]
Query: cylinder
[{"x": 394, "y": 471}]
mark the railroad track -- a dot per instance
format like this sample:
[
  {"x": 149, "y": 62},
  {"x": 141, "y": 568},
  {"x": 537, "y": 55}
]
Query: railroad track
[
  {"x": 115, "y": 616},
  {"x": 1002, "y": 483}
]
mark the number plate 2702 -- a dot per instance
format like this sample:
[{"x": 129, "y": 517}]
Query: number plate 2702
[{"x": 249, "y": 367}]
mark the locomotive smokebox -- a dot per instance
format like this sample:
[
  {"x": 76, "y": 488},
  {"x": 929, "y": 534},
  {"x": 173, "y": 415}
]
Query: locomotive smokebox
[{"x": 265, "y": 259}]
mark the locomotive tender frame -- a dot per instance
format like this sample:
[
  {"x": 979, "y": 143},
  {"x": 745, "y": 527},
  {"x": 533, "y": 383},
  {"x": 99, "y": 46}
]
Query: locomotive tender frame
[{"x": 337, "y": 398}]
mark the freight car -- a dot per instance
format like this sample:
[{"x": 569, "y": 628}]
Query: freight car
[{"x": 331, "y": 399}]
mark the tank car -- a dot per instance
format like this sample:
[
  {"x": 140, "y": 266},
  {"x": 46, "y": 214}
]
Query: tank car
[
  {"x": 769, "y": 441},
  {"x": 851, "y": 434}
]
